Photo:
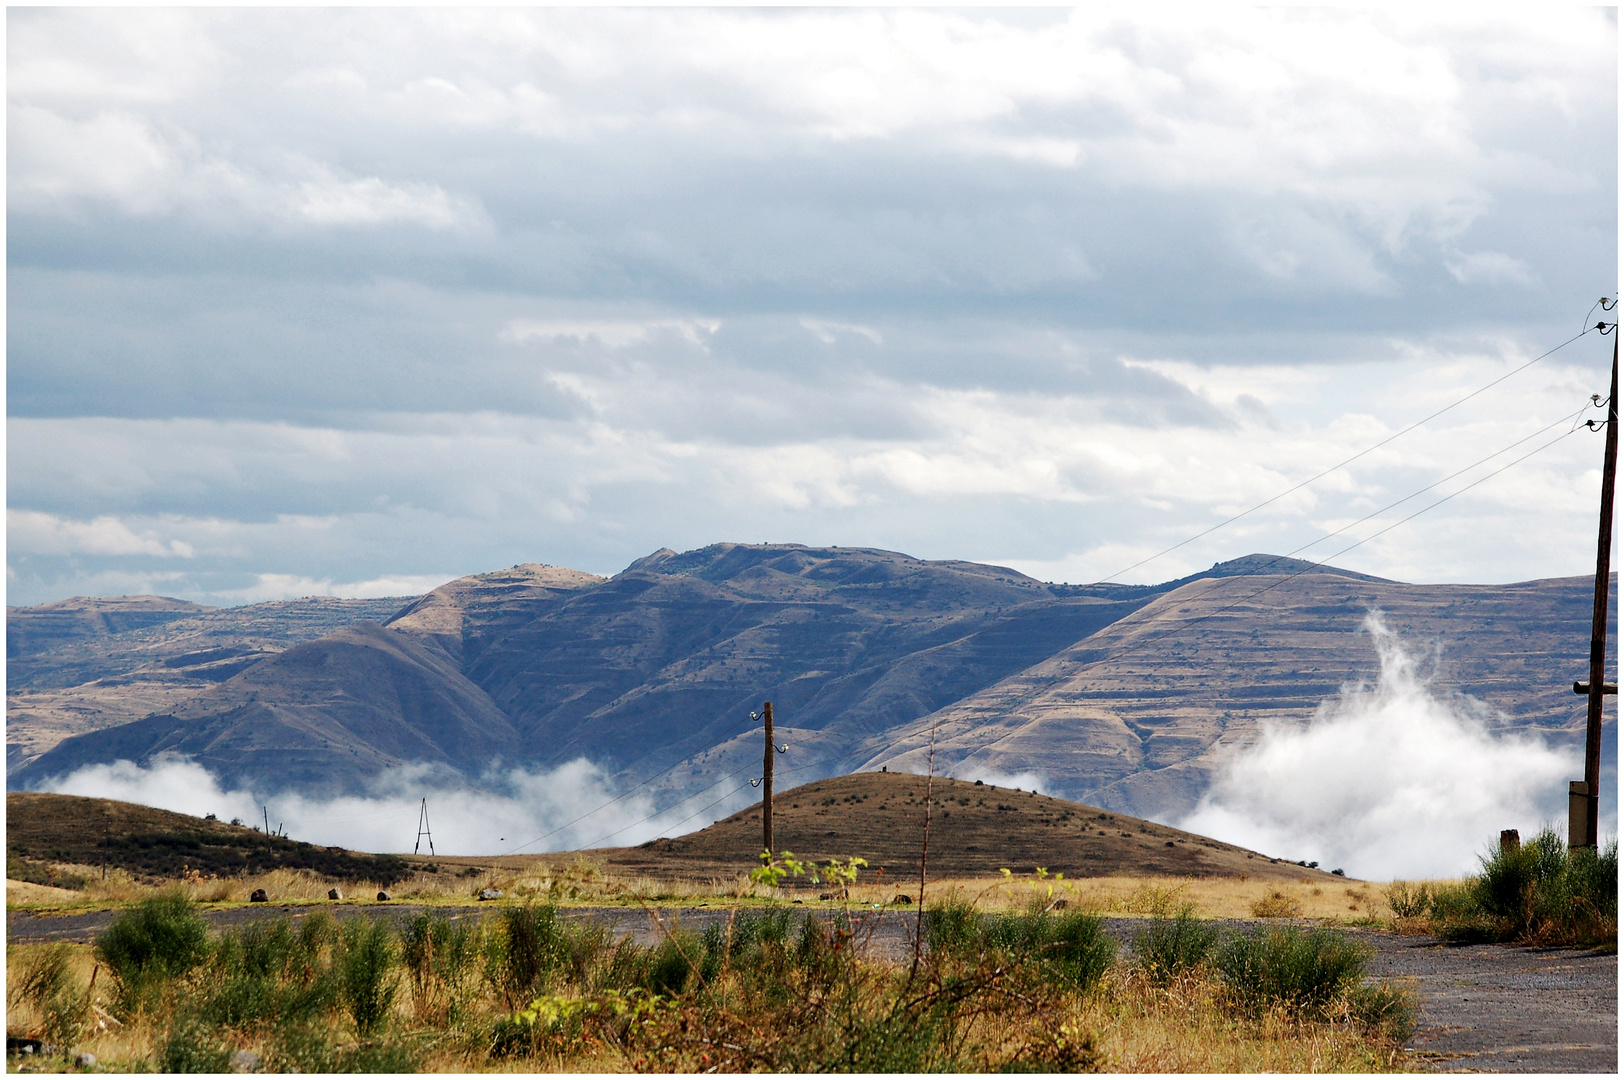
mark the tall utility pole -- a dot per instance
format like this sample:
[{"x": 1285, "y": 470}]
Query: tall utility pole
[
  {"x": 767, "y": 779},
  {"x": 1598, "y": 628}
]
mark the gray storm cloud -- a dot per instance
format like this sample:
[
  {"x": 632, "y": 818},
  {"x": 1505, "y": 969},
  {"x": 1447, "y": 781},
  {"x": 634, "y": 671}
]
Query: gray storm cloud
[
  {"x": 1392, "y": 780},
  {"x": 335, "y": 296}
]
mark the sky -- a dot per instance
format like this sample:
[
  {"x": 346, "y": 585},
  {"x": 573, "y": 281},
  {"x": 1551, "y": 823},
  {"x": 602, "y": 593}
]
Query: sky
[{"x": 354, "y": 302}]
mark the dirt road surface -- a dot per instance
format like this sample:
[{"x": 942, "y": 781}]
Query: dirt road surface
[{"x": 1484, "y": 1008}]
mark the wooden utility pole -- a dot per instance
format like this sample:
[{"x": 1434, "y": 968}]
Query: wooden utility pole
[
  {"x": 767, "y": 779},
  {"x": 1598, "y": 628}
]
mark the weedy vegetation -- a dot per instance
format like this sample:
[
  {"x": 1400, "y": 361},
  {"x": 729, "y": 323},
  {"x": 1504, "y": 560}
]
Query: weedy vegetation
[
  {"x": 1540, "y": 893},
  {"x": 526, "y": 988}
]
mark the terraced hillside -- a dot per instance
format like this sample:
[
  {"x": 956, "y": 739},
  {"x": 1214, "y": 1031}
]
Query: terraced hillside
[{"x": 1120, "y": 696}]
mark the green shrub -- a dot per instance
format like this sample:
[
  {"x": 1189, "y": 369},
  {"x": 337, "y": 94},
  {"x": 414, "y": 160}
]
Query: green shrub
[
  {"x": 1385, "y": 1007},
  {"x": 1166, "y": 948},
  {"x": 368, "y": 979},
  {"x": 952, "y": 929},
  {"x": 1545, "y": 893},
  {"x": 440, "y": 956},
  {"x": 45, "y": 980},
  {"x": 192, "y": 1046},
  {"x": 1408, "y": 901},
  {"x": 525, "y": 951},
  {"x": 160, "y": 939},
  {"x": 1077, "y": 949},
  {"x": 1300, "y": 970},
  {"x": 1071, "y": 947},
  {"x": 671, "y": 964}
]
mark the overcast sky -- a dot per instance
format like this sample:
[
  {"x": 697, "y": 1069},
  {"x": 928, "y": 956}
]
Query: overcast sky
[{"x": 356, "y": 302}]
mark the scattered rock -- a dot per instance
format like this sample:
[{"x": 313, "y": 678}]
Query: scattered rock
[
  {"x": 1170, "y": 843},
  {"x": 382, "y": 895},
  {"x": 244, "y": 1061},
  {"x": 15, "y": 1045},
  {"x": 902, "y": 898},
  {"x": 800, "y": 901},
  {"x": 258, "y": 896},
  {"x": 490, "y": 894},
  {"x": 334, "y": 894},
  {"x": 85, "y": 1060}
]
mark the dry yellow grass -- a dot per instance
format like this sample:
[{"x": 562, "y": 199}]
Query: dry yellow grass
[
  {"x": 1136, "y": 1027},
  {"x": 586, "y": 880},
  {"x": 1209, "y": 898}
]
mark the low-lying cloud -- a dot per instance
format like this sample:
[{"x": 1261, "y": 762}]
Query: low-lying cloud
[
  {"x": 572, "y": 806},
  {"x": 1390, "y": 781}
]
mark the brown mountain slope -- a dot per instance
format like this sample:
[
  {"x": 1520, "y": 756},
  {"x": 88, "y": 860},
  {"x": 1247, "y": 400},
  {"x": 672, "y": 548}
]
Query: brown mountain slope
[
  {"x": 1137, "y": 716},
  {"x": 975, "y": 830},
  {"x": 365, "y": 696},
  {"x": 45, "y": 831},
  {"x": 73, "y": 684},
  {"x": 85, "y": 618}
]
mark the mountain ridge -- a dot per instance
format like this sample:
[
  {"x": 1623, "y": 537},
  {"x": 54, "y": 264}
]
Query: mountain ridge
[{"x": 1096, "y": 688}]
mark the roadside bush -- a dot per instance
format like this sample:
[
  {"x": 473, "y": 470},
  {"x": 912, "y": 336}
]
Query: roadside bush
[
  {"x": 1071, "y": 947},
  {"x": 1277, "y": 905},
  {"x": 268, "y": 971},
  {"x": 1386, "y": 1007},
  {"x": 1408, "y": 900},
  {"x": 160, "y": 939},
  {"x": 45, "y": 980},
  {"x": 952, "y": 928},
  {"x": 1304, "y": 971},
  {"x": 440, "y": 956},
  {"x": 1542, "y": 892},
  {"x": 192, "y": 1046},
  {"x": 524, "y": 952},
  {"x": 367, "y": 975},
  {"x": 1167, "y": 948}
]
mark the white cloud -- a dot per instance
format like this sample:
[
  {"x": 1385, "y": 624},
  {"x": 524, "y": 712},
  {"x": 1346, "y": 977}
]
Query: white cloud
[
  {"x": 559, "y": 809},
  {"x": 829, "y": 331},
  {"x": 1395, "y": 780},
  {"x": 615, "y": 334},
  {"x": 1490, "y": 267},
  {"x": 293, "y": 586},
  {"x": 46, "y": 534},
  {"x": 328, "y": 200}
]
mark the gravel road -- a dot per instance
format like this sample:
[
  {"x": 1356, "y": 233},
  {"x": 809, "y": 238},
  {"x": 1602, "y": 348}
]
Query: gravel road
[{"x": 1485, "y": 1008}]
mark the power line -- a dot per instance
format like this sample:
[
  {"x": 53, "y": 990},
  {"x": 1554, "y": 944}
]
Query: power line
[
  {"x": 1258, "y": 571},
  {"x": 1188, "y": 624},
  {"x": 1205, "y": 532},
  {"x": 1346, "y": 461}
]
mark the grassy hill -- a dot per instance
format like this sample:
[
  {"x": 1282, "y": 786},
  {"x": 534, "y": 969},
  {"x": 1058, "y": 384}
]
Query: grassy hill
[
  {"x": 48, "y": 836},
  {"x": 976, "y": 830}
]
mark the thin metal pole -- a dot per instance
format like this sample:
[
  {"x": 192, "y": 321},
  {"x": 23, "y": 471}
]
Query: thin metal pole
[{"x": 1598, "y": 615}]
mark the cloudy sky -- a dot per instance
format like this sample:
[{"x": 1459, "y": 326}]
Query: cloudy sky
[{"x": 355, "y": 302}]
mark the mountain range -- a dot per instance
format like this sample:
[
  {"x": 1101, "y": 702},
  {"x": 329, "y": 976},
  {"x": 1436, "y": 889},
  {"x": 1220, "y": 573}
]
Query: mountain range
[{"x": 1125, "y": 697}]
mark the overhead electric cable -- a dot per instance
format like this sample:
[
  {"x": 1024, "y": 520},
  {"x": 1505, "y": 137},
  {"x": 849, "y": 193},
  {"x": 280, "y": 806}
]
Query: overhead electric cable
[
  {"x": 1344, "y": 462},
  {"x": 1283, "y": 579}
]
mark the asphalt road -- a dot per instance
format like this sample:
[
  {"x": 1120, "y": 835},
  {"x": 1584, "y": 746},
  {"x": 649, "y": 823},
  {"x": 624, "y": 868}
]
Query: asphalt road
[{"x": 1487, "y": 1008}]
